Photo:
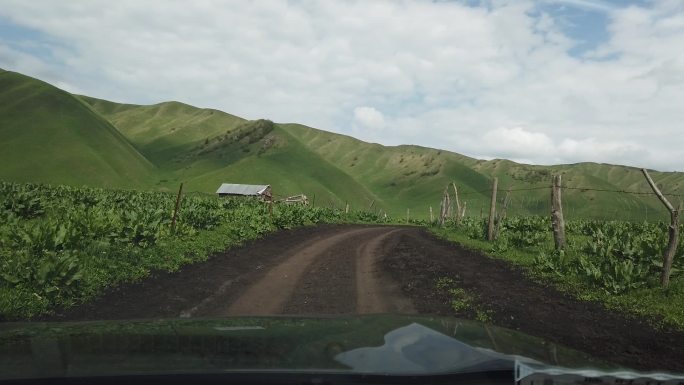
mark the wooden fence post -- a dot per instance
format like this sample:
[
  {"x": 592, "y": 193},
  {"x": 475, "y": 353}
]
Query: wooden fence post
[
  {"x": 673, "y": 231},
  {"x": 432, "y": 217},
  {"x": 492, "y": 211},
  {"x": 346, "y": 207},
  {"x": 407, "y": 216},
  {"x": 502, "y": 214},
  {"x": 444, "y": 212},
  {"x": 441, "y": 209},
  {"x": 175, "y": 210},
  {"x": 458, "y": 214},
  {"x": 557, "y": 221}
]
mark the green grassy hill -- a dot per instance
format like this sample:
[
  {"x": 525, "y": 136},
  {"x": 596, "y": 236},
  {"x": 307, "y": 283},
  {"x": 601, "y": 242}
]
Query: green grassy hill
[
  {"x": 48, "y": 135},
  {"x": 163, "y": 130},
  {"x": 281, "y": 160},
  {"x": 53, "y": 136},
  {"x": 402, "y": 177},
  {"x": 589, "y": 202}
]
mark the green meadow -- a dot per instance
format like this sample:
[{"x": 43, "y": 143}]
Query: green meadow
[{"x": 51, "y": 136}]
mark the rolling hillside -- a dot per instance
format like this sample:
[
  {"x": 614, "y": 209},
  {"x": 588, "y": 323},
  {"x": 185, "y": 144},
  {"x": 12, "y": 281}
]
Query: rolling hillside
[
  {"x": 161, "y": 145},
  {"x": 205, "y": 147},
  {"x": 48, "y": 135},
  {"x": 163, "y": 130}
]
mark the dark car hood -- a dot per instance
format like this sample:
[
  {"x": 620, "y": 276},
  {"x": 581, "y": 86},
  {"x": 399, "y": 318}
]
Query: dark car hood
[{"x": 379, "y": 344}]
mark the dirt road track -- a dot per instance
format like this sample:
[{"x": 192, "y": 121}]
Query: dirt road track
[
  {"x": 326, "y": 275},
  {"x": 322, "y": 270},
  {"x": 337, "y": 269}
]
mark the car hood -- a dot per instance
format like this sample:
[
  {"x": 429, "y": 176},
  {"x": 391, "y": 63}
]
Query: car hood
[{"x": 378, "y": 344}]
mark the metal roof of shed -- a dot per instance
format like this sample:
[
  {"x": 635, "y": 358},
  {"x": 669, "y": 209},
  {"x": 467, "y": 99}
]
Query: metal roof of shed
[{"x": 242, "y": 189}]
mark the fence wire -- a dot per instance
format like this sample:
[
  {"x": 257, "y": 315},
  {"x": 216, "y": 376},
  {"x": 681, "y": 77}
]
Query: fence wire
[
  {"x": 624, "y": 208},
  {"x": 582, "y": 189}
]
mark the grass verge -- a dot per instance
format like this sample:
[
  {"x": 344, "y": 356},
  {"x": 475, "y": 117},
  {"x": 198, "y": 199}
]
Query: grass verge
[{"x": 662, "y": 307}]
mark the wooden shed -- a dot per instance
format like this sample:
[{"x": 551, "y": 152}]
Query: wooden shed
[{"x": 262, "y": 191}]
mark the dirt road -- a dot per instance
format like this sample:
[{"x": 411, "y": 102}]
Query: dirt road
[
  {"x": 337, "y": 269},
  {"x": 331, "y": 274},
  {"x": 322, "y": 270}
]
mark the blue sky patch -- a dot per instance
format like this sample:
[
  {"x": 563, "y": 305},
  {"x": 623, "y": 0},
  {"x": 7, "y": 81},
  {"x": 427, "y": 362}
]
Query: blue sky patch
[
  {"x": 586, "y": 26},
  {"x": 29, "y": 41}
]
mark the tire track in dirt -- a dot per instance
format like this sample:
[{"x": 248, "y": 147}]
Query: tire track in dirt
[
  {"x": 270, "y": 295},
  {"x": 376, "y": 292},
  {"x": 196, "y": 289},
  {"x": 217, "y": 302},
  {"x": 346, "y": 279}
]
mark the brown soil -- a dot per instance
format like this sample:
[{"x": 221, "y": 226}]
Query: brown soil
[
  {"x": 336, "y": 269},
  {"x": 420, "y": 258}
]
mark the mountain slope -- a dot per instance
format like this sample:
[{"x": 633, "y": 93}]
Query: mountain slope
[
  {"x": 163, "y": 130},
  {"x": 414, "y": 177},
  {"x": 204, "y": 148},
  {"x": 48, "y": 135},
  {"x": 404, "y": 176},
  {"x": 291, "y": 168}
]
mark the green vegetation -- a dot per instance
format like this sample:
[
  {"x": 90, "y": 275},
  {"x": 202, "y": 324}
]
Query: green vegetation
[
  {"x": 462, "y": 302},
  {"x": 617, "y": 263},
  {"x": 297, "y": 170},
  {"x": 61, "y": 245},
  {"x": 163, "y": 131},
  {"x": 51, "y": 136}
]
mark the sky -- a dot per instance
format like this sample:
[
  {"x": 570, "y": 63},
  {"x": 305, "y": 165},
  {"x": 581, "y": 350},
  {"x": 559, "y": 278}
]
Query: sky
[{"x": 542, "y": 82}]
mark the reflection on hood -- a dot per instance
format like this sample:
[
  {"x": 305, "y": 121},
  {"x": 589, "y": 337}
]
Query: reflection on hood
[
  {"x": 374, "y": 344},
  {"x": 417, "y": 349}
]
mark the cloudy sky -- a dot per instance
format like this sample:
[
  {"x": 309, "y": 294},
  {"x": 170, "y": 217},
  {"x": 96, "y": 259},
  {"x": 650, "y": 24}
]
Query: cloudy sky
[{"x": 542, "y": 82}]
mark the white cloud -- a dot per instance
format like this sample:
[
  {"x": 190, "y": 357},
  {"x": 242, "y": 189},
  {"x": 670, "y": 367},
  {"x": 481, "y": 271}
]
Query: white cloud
[
  {"x": 526, "y": 146},
  {"x": 518, "y": 143},
  {"x": 369, "y": 117},
  {"x": 443, "y": 74},
  {"x": 591, "y": 149},
  {"x": 601, "y": 6}
]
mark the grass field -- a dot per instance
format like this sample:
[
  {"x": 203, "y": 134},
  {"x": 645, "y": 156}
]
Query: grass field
[{"x": 49, "y": 135}]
